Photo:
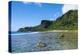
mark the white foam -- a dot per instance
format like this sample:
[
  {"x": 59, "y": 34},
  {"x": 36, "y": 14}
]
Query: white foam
[{"x": 25, "y": 33}]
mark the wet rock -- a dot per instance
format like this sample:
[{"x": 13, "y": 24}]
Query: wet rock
[
  {"x": 41, "y": 45},
  {"x": 61, "y": 36}
]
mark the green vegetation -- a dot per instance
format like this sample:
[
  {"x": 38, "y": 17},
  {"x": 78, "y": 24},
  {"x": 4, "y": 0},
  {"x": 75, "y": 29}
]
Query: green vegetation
[
  {"x": 68, "y": 21},
  {"x": 69, "y": 39}
]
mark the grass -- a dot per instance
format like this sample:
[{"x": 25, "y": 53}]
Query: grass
[{"x": 71, "y": 38}]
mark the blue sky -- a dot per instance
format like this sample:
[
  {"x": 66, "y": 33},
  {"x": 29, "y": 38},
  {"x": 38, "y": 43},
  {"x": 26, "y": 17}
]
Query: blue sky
[{"x": 30, "y": 14}]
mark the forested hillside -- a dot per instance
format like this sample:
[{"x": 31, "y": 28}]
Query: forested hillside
[{"x": 68, "y": 21}]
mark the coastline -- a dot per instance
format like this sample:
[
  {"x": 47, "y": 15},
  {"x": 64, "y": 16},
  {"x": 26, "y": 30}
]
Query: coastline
[
  {"x": 62, "y": 31},
  {"x": 52, "y": 31}
]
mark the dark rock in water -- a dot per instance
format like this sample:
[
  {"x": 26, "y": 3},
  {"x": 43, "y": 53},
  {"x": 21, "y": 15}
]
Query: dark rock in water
[
  {"x": 61, "y": 36},
  {"x": 41, "y": 45}
]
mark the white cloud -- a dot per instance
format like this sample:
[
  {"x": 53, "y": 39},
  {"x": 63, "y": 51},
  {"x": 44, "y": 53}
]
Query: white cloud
[
  {"x": 25, "y": 2},
  {"x": 35, "y": 3},
  {"x": 69, "y": 7},
  {"x": 39, "y": 4}
]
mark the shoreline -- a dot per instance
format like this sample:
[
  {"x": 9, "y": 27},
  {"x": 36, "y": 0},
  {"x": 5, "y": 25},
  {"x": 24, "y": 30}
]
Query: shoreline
[
  {"x": 53, "y": 31},
  {"x": 62, "y": 31}
]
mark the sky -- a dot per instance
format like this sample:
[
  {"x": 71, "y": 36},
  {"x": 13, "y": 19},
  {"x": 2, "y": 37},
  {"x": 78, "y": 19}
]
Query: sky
[{"x": 26, "y": 14}]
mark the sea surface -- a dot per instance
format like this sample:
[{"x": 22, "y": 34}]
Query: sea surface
[{"x": 29, "y": 41}]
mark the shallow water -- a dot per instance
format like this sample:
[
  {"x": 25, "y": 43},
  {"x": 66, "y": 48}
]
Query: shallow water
[{"x": 27, "y": 42}]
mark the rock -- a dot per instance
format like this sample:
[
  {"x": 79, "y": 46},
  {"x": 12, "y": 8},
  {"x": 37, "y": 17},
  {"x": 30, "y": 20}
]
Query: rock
[
  {"x": 61, "y": 36},
  {"x": 41, "y": 45}
]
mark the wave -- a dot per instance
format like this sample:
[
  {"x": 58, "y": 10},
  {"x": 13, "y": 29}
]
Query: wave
[{"x": 23, "y": 33}]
